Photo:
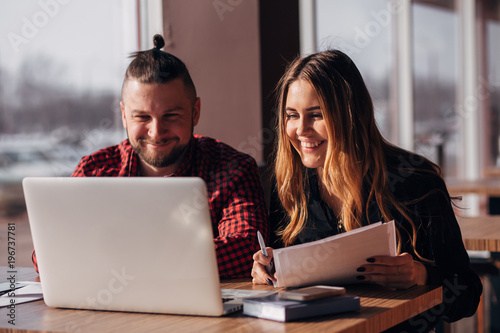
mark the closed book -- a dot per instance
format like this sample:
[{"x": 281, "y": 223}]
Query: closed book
[{"x": 275, "y": 308}]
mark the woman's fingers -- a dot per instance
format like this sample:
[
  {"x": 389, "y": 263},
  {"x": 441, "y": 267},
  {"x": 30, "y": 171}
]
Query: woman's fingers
[
  {"x": 262, "y": 259},
  {"x": 390, "y": 271},
  {"x": 259, "y": 273}
]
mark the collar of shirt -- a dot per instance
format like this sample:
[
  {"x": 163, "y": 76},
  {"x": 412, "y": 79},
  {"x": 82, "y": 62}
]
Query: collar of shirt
[{"x": 184, "y": 168}]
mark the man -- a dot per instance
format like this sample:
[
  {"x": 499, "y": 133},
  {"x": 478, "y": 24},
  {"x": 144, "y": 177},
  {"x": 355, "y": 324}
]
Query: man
[{"x": 159, "y": 111}]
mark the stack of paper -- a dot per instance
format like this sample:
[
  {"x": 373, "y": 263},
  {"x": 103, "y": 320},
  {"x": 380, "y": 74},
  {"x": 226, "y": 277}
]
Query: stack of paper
[
  {"x": 333, "y": 260},
  {"x": 19, "y": 292}
]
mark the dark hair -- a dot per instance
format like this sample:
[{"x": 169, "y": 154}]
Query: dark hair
[{"x": 156, "y": 66}]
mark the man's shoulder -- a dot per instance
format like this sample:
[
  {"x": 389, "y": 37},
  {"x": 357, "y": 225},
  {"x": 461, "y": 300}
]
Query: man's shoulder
[
  {"x": 107, "y": 161},
  {"x": 114, "y": 151},
  {"x": 213, "y": 148},
  {"x": 214, "y": 157}
]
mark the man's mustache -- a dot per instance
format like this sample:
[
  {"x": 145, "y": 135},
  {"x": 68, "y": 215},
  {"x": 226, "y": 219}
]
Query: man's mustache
[{"x": 152, "y": 142}]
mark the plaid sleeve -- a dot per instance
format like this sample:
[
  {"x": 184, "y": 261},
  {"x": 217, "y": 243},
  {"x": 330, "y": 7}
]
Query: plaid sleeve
[
  {"x": 243, "y": 214},
  {"x": 79, "y": 170},
  {"x": 114, "y": 161}
]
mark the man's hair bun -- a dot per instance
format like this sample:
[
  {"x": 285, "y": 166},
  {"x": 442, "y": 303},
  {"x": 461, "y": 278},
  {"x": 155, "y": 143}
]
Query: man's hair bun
[{"x": 158, "y": 42}]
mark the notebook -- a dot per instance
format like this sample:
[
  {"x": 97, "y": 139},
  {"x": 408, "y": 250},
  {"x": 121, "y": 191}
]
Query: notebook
[
  {"x": 275, "y": 308},
  {"x": 138, "y": 244}
]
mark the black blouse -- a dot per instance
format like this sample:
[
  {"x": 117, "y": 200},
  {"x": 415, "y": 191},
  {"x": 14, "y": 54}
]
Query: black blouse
[{"x": 438, "y": 238}]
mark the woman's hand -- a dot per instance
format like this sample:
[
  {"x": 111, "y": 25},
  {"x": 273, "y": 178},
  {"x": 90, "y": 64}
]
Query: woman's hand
[
  {"x": 259, "y": 273},
  {"x": 399, "y": 272}
]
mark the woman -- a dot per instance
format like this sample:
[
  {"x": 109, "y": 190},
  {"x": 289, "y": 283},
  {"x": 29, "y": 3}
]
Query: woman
[{"x": 335, "y": 172}]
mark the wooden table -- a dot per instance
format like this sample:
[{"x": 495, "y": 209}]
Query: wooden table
[
  {"x": 489, "y": 186},
  {"x": 481, "y": 233},
  {"x": 492, "y": 172},
  {"x": 381, "y": 308}
]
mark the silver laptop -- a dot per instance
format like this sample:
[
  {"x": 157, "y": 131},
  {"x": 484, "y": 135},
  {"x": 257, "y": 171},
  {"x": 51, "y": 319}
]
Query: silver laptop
[{"x": 125, "y": 244}]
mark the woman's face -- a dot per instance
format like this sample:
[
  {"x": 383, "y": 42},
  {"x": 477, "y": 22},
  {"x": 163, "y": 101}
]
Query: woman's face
[{"x": 305, "y": 125}]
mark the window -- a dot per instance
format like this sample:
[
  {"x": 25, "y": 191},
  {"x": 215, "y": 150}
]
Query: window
[
  {"x": 491, "y": 82},
  {"x": 455, "y": 74},
  {"x": 435, "y": 73},
  {"x": 61, "y": 69},
  {"x": 362, "y": 29}
]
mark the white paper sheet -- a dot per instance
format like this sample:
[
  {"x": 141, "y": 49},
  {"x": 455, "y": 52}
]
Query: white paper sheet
[
  {"x": 333, "y": 260},
  {"x": 32, "y": 291}
]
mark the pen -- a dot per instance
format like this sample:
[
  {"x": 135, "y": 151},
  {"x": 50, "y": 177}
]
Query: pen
[{"x": 269, "y": 268}]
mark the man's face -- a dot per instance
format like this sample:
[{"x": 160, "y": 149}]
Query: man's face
[{"x": 159, "y": 119}]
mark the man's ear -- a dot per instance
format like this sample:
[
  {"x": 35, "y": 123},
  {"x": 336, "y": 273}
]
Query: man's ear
[
  {"x": 196, "y": 111},
  {"x": 124, "y": 120}
]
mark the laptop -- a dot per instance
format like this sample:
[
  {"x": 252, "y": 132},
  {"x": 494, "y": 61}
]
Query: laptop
[{"x": 139, "y": 244}]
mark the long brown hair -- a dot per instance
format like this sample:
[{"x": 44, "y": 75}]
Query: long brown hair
[{"x": 356, "y": 155}]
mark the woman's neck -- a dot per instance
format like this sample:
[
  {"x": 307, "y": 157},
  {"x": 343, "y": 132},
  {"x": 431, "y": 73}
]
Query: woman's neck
[{"x": 326, "y": 194}]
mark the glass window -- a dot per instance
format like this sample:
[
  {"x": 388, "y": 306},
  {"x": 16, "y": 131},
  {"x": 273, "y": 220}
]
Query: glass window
[
  {"x": 61, "y": 69},
  {"x": 435, "y": 63},
  {"x": 362, "y": 29},
  {"x": 491, "y": 84}
]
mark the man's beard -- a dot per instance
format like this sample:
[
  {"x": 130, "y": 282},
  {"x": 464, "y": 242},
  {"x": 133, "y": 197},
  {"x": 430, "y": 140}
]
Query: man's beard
[{"x": 156, "y": 160}]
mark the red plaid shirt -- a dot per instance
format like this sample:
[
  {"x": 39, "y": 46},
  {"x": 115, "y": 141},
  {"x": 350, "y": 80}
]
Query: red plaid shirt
[{"x": 234, "y": 190}]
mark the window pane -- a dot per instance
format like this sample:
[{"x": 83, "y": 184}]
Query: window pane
[
  {"x": 362, "y": 29},
  {"x": 435, "y": 76},
  {"x": 61, "y": 69},
  {"x": 493, "y": 79}
]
